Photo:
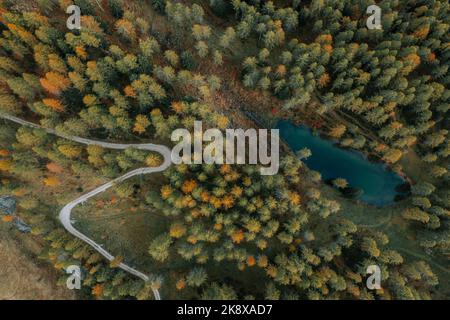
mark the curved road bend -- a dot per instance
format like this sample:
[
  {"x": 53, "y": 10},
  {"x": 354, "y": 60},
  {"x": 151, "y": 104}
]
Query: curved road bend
[{"x": 64, "y": 214}]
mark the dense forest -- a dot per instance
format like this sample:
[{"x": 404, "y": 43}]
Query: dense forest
[{"x": 137, "y": 70}]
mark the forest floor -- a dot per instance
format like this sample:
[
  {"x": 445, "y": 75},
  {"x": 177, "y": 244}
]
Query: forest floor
[{"x": 124, "y": 226}]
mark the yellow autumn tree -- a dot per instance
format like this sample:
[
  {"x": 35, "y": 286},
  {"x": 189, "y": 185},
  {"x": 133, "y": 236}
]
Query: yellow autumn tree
[
  {"x": 177, "y": 106},
  {"x": 70, "y": 151},
  {"x": 141, "y": 124},
  {"x": 261, "y": 244},
  {"x": 177, "y": 230},
  {"x": 337, "y": 131},
  {"x": 222, "y": 121},
  {"x": 51, "y": 182},
  {"x": 95, "y": 155},
  {"x": 129, "y": 91},
  {"x": 5, "y": 165},
  {"x": 166, "y": 191},
  {"x": 236, "y": 191},
  {"x": 263, "y": 261},
  {"x": 271, "y": 271},
  {"x": 295, "y": 198},
  {"x": 392, "y": 155},
  {"x": 153, "y": 160},
  {"x": 89, "y": 100},
  {"x": 422, "y": 32}
]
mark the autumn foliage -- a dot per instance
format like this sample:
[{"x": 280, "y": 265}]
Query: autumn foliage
[
  {"x": 54, "y": 82},
  {"x": 54, "y": 168},
  {"x": 53, "y": 104},
  {"x": 8, "y": 218},
  {"x": 52, "y": 182},
  {"x": 5, "y": 165}
]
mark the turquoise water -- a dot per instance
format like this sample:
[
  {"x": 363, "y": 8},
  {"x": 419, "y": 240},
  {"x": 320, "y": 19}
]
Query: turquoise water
[{"x": 378, "y": 183}]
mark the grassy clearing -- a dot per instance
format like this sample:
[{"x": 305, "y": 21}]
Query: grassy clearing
[
  {"x": 125, "y": 226},
  {"x": 22, "y": 275}
]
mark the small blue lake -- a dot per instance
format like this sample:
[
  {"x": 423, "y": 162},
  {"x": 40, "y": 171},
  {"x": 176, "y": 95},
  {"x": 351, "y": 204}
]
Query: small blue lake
[{"x": 377, "y": 183}]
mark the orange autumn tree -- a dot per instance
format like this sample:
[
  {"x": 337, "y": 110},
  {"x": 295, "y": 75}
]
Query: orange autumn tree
[
  {"x": 431, "y": 57},
  {"x": 8, "y": 218},
  {"x": 228, "y": 202},
  {"x": 189, "y": 186},
  {"x": 54, "y": 82},
  {"x": 54, "y": 168},
  {"x": 251, "y": 261},
  {"x": 177, "y": 106},
  {"x": 411, "y": 62},
  {"x": 97, "y": 290},
  {"x": 281, "y": 70},
  {"x": 181, "y": 284},
  {"x": 54, "y": 104},
  {"x": 324, "y": 80},
  {"x": 325, "y": 40},
  {"x": 81, "y": 52},
  {"x": 125, "y": 28},
  {"x": 237, "y": 236}
]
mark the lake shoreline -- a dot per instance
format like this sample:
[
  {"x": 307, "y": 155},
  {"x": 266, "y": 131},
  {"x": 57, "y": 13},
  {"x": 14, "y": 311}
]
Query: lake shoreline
[
  {"x": 370, "y": 156},
  {"x": 377, "y": 172}
]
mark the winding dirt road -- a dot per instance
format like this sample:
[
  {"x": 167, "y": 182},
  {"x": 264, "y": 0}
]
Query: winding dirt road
[{"x": 64, "y": 214}]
